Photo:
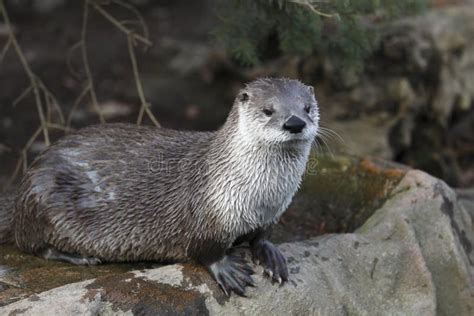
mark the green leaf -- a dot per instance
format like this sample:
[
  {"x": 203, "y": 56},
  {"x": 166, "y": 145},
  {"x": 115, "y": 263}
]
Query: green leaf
[{"x": 247, "y": 27}]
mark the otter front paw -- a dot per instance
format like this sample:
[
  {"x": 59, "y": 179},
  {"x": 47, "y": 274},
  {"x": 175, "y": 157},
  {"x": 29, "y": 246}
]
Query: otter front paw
[
  {"x": 232, "y": 274},
  {"x": 271, "y": 259}
]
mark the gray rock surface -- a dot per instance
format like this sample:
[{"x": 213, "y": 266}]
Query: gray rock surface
[
  {"x": 425, "y": 70},
  {"x": 424, "y": 62},
  {"x": 466, "y": 197},
  {"x": 412, "y": 256}
]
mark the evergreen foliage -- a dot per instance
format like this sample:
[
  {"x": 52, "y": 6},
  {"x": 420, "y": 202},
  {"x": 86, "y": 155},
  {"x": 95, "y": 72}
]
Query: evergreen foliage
[{"x": 254, "y": 30}]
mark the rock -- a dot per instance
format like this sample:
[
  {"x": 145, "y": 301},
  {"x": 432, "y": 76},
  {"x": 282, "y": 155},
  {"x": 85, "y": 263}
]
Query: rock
[
  {"x": 425, "y": 60},
  {"x": 421, "y": 75},
  {"x": 413, "y": 255},
  {"x": 433, "y": 52},
  {"x": 442, "y": 229},
  {"x": 439, "y": 46},
  {"x": 424, "y": 143},
  {"x": 466, "y": 198}
]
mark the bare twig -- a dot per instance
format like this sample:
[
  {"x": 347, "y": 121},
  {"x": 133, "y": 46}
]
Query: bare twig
[
  {"x": 140, "y": 18},
  {"x": 5, "y": 49},
  {"x": 117, "y": 23},
  {"x": 76, "y": 103},
  {"x": 129, "y": 22},
  {"x": 32, "y": 77},
  {"x": 46, "y": 101},
  {"x": 132, "y": 38},
  {"x": 51, "y": 99},
  {"x": 85, "y": 61},
  {"x": 61, "y": 127},
  {"x": 69, "y": 59},
  {"x": 23, "y": 159},
  {"x": 48, "y": 107},
  {"x": 15, "y": 173},
  {"x": 32, "y": 139},
  {"x": 42, "y": 95},
  {"x": 145, "y": 106},
  {"x": 22, "y": 96},
  {"x": 311, "y": 6}
]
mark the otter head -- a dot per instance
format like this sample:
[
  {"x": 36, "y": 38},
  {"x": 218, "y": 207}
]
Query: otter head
[{"x": 277, "y": 111}]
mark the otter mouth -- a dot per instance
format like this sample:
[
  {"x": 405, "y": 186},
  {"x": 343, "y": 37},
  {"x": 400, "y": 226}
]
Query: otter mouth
[
  {"x": 300, "y": 137},
  {"x": 299, "y": 140}
]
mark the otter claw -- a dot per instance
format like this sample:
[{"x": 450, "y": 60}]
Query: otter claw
[
  {"x": 272, "y": 260},
  {"x": 91, "y": 261},
  {"x": 269, "y": 273},
  {"x": 232, "y": 274}
]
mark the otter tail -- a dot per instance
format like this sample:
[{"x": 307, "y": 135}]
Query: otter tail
[{"x": 7, "y": 206}]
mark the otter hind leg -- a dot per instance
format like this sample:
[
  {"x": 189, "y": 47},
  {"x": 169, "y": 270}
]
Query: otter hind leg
[
  {"x": 233, "y": 274},
  {"x": 54, "y": 254}
]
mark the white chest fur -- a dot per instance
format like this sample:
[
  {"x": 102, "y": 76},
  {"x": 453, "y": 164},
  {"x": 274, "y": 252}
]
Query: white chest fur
[{"x": 256, "y": 186}]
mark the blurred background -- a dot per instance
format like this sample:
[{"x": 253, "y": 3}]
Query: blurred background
[{"x": 394, "y": 79}]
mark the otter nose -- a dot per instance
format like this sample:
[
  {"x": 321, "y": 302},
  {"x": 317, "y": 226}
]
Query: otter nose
[{"x": 294, "y": 124}]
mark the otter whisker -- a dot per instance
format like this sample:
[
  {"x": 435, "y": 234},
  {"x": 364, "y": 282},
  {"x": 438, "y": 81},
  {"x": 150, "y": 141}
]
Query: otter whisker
[
  {"x": 331, "y": 133},
  {"x": 315, "y": 144},
  {"x": 321, "y": 136}
]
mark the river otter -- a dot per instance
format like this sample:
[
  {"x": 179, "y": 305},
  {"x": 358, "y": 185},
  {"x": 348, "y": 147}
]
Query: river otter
[{"x": 118, "y": 192}]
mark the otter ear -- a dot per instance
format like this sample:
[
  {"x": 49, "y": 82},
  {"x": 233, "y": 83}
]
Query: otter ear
[{"x": 243, "y": 97}]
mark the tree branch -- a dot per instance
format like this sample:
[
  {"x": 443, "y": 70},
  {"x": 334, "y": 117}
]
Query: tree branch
[
  {"x": 145, "y": 106},
  {"x": 85, "y": 61},
  {"x": 31, "y": 76},
  {"x": 119, "y": 25}
]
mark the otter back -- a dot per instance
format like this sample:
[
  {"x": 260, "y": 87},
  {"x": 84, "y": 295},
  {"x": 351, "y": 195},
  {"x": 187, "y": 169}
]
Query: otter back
[{"x": 110, "y": 190}]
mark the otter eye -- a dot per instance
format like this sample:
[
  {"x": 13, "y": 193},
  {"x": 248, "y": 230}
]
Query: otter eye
[
  {"x": 307, "y": 108},
  {"x": 267, "y": 112}
]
